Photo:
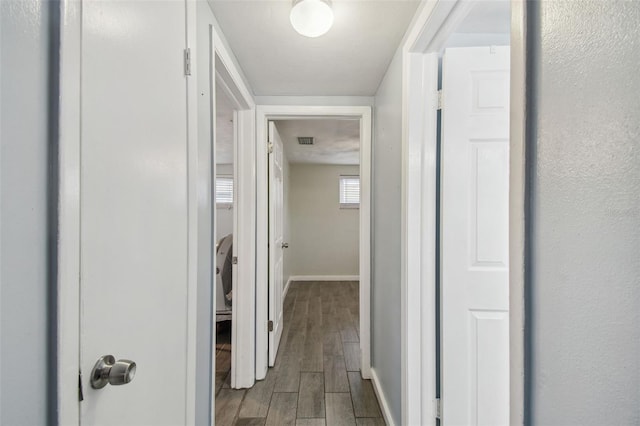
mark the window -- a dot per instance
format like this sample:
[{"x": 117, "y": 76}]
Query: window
[
  {"x": 349, "y": 192},
  {"x": 224, "y": 191}
]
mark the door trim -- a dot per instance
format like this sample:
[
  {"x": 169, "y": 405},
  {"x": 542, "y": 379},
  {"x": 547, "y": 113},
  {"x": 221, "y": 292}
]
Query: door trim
[
  {"x": 518, "y": 190},
  {"x": 264, "y": 113},
  {"x": 432, "y": 25},
  {"x": 194, "y": 256},
  {"x": 68, "y": 280},
  {"x": 230, "y": 80}
]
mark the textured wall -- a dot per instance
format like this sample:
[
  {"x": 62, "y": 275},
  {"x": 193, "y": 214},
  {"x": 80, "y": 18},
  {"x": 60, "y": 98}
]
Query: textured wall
[
  {"x": 24, "y": 132},
  {"x": 386, "y": 220},
  {"x": 585, "y": 213},
  {"x": 324, "y": 237}
]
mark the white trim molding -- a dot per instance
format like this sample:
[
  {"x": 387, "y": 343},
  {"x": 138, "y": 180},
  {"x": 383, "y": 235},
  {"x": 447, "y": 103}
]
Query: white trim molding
[
  {"x": 286, "y": 288},
  {"x": 324, "y": 278},
  {"x": 418, "y": 277},
  {"x": 382, "y": 399},
  {"x": 419, "y": 246},
  {"x": 264, "y": 113},
  {"x": 517, "y": 213},
  {"x": 230, "y": 80},
  {"x": 310, "y": 278},
  {"x": 243, "y": 315},
  {"x": 195, "y": 256},
  {"x": 68, "y": 280}
]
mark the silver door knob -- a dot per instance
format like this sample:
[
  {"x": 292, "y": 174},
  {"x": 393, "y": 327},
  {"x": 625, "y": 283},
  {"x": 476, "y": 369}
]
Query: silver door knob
[
  {"x": 285, "y": 245},
  {"x": 109, "y": 371}
]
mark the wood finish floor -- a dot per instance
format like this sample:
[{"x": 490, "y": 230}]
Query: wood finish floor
[{"x": 316, "y": 380}]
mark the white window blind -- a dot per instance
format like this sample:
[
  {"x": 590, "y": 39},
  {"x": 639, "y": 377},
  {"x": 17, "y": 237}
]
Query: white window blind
[
  {"x": 224, "y": 190},
  {"x": 349, "y": 191}
]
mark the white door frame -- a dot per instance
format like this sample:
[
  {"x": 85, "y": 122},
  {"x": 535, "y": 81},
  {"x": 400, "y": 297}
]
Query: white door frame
[
  {"x": 230, "y": 81},
  {"x": 431, "y": 28},
  {"x": 278, "y": 112},
  {"x": 68, "y": 279},
  {"x": 67, "y": 291}
]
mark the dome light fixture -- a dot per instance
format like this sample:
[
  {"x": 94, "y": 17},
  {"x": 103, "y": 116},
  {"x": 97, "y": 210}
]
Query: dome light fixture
[{"x": 311, "y": 18}]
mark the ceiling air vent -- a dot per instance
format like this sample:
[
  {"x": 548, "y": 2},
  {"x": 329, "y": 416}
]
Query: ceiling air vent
[{"x": 305, "y": 140}]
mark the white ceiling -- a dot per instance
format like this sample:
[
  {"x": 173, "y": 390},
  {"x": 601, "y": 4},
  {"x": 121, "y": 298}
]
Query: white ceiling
[
  {"x": 487, "y": 17},
  {"x": 350, "y": 59},
  {"x": 335, "y": 141},
  {"x": 487, "y": 23},
  {"x": 224, "y": 129}
]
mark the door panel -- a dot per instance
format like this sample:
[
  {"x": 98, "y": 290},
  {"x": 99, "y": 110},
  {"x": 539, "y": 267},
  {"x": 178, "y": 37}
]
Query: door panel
[
  {"x": 475, "y": 239},
  {"x": 276, "y": 235},
  {"x": 134, "y": 209}
]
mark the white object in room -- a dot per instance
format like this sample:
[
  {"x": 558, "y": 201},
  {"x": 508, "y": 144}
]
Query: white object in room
[
  {"x": 276, "y": 240},
  {"x": 475, "y": 236},
  {"x": 311, "y": 18},
  {"x": 300, "y": 61}
]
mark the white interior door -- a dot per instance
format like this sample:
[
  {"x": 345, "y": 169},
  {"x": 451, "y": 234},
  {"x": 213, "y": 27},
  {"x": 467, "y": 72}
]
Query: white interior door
[
  {"x": 134, "y": 212},
  {"x": 475, "y": 241},
  {"x": 276, "y": 240}
]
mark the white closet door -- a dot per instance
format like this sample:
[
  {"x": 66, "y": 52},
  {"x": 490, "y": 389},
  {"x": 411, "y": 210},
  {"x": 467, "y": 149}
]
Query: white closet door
[
  {"x": 134, "y": 210},
  {"x": 276, "y": 240},
  {"x": 475, "y": 240}
]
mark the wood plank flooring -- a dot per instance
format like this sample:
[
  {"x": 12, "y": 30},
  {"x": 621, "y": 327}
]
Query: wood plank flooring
[{"x": 316, "y": 379}]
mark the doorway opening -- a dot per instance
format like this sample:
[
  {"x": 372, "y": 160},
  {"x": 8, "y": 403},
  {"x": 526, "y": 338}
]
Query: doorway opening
[
  {"x": 314, "y": 226},
  {"x": 269, "y": 306},
  {"x": 225, "y": 225},
  {"x": 225, "y": 216},
  {"x": 457, "y": 280},
  {"x": 318, "y": 234}
]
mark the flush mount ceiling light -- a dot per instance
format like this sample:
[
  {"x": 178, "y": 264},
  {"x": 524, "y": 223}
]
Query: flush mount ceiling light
[{"x": 311, "y": 18}]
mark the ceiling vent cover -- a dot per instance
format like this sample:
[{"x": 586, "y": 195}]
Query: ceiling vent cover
[{"x": 305, "y": 140}]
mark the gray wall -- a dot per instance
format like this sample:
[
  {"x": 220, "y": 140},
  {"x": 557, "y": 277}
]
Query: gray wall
[
  {"x": 24, "y": 133},
  {"x": 324, "y": 237},
  {"x": 386, "y": 219},
  {"x": 584, "y": 287}
]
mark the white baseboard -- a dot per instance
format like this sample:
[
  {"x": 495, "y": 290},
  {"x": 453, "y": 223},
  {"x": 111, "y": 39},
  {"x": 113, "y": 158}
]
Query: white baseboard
[
  {"x": 324, "y": 278},
  {"x": 382, "y": 400},
  {"x": 286, "y": 288}
]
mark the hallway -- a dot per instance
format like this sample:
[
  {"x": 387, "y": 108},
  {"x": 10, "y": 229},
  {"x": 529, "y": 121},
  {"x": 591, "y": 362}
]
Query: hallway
[{"x": 316, "y": 379}]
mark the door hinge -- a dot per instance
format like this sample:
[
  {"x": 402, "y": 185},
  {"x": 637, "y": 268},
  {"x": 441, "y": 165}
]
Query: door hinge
[
  {"x": 80, "y": 391},
  {"x": 270, "y": 325},
  {"x": 438, "y": 408},
  {"x": 270, "y": 147},
  {"x": 187, "y": 61},
  {"x": 439, "y": 107},
  {"x": 234, "y": 260}
]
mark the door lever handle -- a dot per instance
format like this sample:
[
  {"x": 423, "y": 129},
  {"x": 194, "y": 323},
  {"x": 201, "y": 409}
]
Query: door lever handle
[
  {"x": 109, "y": 371},
  {"x": 285, "y": 245}
]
